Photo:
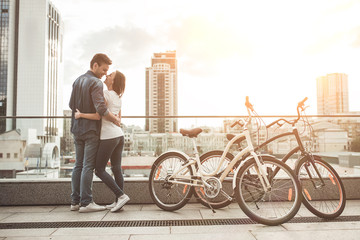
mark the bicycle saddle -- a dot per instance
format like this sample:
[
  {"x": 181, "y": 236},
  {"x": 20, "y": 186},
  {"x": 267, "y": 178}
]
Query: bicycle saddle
[
  {"x": 191, "y": 133},
  {"x": 231, "y": 136}
]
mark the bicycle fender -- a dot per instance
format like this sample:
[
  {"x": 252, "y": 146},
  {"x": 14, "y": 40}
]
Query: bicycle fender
[
  {"x": 179, "y": 153},
  {"x": 175, "y": 151},
  {"x": 235, "y": 176},
  {"x": 266, "y": 155},
  {"x": 238, "y": 168},
  {"x": 237, "y": 171}
]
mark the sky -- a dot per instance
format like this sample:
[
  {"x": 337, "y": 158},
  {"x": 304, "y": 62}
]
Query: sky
[{"x": 271, "y": 51}]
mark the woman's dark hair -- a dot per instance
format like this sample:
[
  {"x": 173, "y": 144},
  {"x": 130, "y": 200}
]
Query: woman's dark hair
[
  {"x": 100, "y": 59},
  {"x": 119, "y": 83}
]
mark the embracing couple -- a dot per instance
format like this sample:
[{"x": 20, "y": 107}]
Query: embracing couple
[{"x": 95, "y": 123}]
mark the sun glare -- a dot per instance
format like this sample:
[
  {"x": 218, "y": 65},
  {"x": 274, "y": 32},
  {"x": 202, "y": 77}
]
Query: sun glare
[{"x": 270, "y": 50}]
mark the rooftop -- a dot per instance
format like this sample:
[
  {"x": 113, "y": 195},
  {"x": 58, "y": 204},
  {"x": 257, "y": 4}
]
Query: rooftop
[{"x": 142, "y": 221}]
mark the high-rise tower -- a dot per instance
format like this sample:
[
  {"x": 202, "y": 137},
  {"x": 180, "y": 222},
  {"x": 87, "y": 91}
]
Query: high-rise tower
[
  {"x": 31, "y": 79},
  {"x": 161, "y": 92},
  {"x": 31, "y": 66},
  {"x": 7, "y": 68},
  {"x": 332, "y": 94}
]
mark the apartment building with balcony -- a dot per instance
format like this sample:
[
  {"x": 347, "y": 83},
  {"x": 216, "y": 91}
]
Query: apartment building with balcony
[
  {"x": 161, "y": 93},
  {"x": 332, "y": 94}
]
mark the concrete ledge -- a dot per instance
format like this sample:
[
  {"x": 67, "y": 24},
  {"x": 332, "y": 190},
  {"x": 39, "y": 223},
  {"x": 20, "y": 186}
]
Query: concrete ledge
[{"x": 57, "y": 191}]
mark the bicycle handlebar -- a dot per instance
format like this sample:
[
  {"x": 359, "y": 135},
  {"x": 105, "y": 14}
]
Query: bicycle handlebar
[
  {"x": 248, "y": 104},
  {"x": 250, "y": 108},
  {"x": 299, "y": 106},
  {"x": 242, "y": 122}
]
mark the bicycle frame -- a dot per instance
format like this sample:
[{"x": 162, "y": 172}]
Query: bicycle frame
[
  {"x": 296, "y": 149},
  {"x": 203, "y": 176},
  {"x": 300, "y": 146}
]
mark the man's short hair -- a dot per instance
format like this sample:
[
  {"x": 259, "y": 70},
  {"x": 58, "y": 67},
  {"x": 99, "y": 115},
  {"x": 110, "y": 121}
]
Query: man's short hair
[{"x": 100, "y": 59}]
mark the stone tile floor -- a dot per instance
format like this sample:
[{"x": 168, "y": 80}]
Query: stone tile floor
[{"x": 318, "y": 230}]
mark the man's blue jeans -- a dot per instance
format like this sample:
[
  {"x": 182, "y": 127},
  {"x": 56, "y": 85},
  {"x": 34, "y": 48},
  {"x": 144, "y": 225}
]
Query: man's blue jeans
[{"x": 86, "y": 147}]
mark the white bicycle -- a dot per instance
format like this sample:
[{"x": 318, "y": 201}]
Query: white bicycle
[{"x": 265, "y": 197}]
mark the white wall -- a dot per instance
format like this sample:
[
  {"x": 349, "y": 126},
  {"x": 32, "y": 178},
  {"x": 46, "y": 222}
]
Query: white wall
[{"x": 332, "y": 141}]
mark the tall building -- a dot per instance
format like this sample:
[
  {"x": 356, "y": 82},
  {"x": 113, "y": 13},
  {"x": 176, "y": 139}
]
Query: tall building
[
  {"x": 332, "y": 94},
  {"x": 31, "y": 66},
  {"x": 6, "y": 69},
  {"x": 161, "y": 93},
  {"x": 31, "y": 78}
]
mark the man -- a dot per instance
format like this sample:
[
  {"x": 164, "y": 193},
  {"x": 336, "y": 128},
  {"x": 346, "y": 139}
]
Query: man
[{"x": 87, "y": 96}]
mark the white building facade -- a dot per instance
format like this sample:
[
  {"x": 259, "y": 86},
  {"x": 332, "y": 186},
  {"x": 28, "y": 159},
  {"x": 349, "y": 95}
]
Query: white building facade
[
  {"x": 34, "y": 63},
  {"x": 31, "y": 79},
  {"x": 12, "y": 150},
  {"x": 34, "y": 67}
]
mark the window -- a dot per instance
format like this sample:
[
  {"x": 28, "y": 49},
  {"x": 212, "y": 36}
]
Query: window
[
  {"x": 8, "y": 155},
  {"x": 15, "y": 155},
  {"x": 1, "y": 155}
]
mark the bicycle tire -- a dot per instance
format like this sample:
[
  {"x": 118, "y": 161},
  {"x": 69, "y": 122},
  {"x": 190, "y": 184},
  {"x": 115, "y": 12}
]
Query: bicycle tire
[
  {"x": 166, "y": 195},
  {"x": 210, "y": 161},
  {"x": 324, "y": 201},
  {"x": 273, "y": 207}
]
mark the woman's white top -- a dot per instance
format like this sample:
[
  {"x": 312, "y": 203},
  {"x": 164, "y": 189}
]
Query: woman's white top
[{"x": 108, "y": 129}]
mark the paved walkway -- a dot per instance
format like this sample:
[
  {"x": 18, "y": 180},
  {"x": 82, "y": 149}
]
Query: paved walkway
[{"x": 319, "y": 230}]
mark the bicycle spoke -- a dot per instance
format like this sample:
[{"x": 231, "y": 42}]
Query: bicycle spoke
[
  {"x": 324, "y": 198},
  {"x": 209, "y": 163},
  {"x": 275, "y": 205},
  {"x": 166, "y": 194}
]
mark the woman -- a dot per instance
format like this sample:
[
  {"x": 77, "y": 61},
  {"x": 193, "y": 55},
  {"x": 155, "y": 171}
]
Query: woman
[{"x": 111, "y": 140}]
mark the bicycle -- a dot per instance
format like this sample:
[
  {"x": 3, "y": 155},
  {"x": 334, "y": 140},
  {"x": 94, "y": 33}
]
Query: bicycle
[
  {"x": 322, "y": 189},
  {"x": 264, "y": 197}
]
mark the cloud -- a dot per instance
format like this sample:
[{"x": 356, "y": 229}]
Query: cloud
[
  {"x": 323, "y": 44},
  {"x": 201, "y": 45},
  {"x": 356, "y": 35},
  {"x": 336, "y": 40},
  {"x": 204, "y": 43},
  {"x": 125, "y": 46},
  {"x": 71, "y": 70}
]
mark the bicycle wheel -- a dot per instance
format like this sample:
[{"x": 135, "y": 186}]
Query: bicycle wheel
[
  {"x": 272, "y": 207},
  {"x": 325, "y": 200},
  {"x": 209, "y": 162},
  {"x": 166, "y": 194}
]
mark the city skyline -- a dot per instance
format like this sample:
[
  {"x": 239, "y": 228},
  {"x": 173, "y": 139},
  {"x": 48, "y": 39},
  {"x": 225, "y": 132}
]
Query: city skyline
[
  {"x": 210, "y": 83},
  {"x": 272, "y": 52}
]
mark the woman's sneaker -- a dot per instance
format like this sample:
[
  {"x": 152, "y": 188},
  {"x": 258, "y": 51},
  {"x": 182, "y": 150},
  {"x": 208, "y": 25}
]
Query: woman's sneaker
[
  {"x": 122, "y": 200},
  {"x": 110, "y": 206},
  {"x": 75, "y": 207},
  {"x": 92, "y": 207}
]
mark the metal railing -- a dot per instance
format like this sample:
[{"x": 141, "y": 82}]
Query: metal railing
[{"x": 48, "y": 151}]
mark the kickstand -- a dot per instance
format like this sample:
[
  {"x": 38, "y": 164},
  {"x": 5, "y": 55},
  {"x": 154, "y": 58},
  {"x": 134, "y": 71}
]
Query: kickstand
[{"x": 212, "y": 209}]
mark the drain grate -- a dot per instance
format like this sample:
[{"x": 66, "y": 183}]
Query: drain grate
[{"x": 163, "y": 223}]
